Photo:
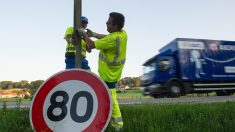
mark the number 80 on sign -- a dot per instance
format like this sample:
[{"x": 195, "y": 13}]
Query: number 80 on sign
[{"x": 77, "y": 100}]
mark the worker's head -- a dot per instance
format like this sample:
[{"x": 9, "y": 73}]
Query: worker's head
[
  {"x": 115, "y": 22},
  {"x": 84, "y": 22}
]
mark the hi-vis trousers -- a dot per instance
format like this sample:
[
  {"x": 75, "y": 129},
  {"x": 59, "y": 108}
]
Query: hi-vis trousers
[{"x": 116, "y": 120}]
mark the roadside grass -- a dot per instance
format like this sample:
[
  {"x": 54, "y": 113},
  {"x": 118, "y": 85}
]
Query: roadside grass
[
  {"x": 206, "y": 117},
  {"x": 137, "y": 93},
  {"x": 214, "y": 117},
  {"x": 131, "y": 94},
  {"x": 15, "y": 99},
  {"x": 15, "y": 120}
]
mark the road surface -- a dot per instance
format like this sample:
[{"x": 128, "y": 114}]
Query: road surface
[{"x": 209, "y": 99}]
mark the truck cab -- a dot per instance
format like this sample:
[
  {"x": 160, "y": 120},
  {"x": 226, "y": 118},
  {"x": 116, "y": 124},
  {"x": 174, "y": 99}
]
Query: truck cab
[{"x": 156, "y": 74}]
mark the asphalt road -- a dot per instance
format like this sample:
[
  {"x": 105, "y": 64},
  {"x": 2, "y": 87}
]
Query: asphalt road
[
  {"x": 183, "y": 99},
  {"x": 209, "y": 99}
]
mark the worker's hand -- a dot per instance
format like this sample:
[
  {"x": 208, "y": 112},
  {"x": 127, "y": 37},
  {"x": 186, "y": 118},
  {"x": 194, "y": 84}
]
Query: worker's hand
[
  {"x": 69, "y": 38},
  {"x": 91, "y": 33},
  {"x": 88, "y": 49},
  {"x": 73, "y": 39},
  {"x": 81, "y": 32}
]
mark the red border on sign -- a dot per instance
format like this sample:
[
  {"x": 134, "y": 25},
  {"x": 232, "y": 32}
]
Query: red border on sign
[{"x": 94, "y": 82}]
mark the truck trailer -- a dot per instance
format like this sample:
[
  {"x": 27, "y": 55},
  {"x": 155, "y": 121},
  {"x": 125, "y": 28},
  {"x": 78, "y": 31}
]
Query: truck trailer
[{"x": 188, "y": 65}]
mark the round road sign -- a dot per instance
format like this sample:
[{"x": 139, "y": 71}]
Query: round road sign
[{"x": 70, "y": 101}]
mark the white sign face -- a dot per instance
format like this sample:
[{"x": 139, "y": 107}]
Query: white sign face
[
  {"x": 70, "y": 101},
  {"x": 190, "y": 45},
  {"x": 57, "y": 109}
]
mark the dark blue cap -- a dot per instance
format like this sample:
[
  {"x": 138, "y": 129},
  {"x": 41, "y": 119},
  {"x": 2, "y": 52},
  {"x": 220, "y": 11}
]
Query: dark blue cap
[{"x": 84, "y": 19}]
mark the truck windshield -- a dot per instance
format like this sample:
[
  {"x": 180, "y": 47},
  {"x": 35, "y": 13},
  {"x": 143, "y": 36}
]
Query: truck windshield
[{"x": 149, "y": 68}]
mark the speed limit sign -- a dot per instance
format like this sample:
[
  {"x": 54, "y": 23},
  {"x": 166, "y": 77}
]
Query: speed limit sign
[{"x": 71, "y": 101}]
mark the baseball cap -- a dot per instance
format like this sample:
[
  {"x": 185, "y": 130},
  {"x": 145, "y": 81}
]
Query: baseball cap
[{"x": 84, "y": 19}]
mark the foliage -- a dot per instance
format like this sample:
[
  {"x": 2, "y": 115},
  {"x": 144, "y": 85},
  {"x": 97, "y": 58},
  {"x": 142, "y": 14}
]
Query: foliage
[
  {"x": 135, "y": 93},
  {"x": 6, "y": 84},
  {"x": 129, "y": 81},
  {"x": 15, "y": 120},
  {"x": 35, "y": 85},
  {"x": 213, "y": 117},
  {"x": 24, "y": 84},
  {"x": 208, "y": 117}
]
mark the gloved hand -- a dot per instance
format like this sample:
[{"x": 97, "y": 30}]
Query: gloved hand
[
  {"x": 88, "y": 49},
  {"x": 69, "y": 38},
  {"x": 73, "y": 39},
  {"x": 91, "y": 33},
  {"x": 81, "y": 31}
]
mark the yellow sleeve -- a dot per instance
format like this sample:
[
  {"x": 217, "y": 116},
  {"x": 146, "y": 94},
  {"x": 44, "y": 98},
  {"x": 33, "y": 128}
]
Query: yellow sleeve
[
  {"x": 105, "y": 43},
  {"x": 68, "y": 31}
]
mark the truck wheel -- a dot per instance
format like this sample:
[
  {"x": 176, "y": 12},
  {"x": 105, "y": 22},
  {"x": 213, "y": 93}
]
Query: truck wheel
[{"x": 174, "y": 89}]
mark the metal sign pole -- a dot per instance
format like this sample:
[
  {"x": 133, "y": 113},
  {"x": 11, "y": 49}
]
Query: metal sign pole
[{"x": 76, "y": 25}]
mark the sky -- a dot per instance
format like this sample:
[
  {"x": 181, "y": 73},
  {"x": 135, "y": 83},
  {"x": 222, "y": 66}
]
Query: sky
[{"x": 31, "y": 31}]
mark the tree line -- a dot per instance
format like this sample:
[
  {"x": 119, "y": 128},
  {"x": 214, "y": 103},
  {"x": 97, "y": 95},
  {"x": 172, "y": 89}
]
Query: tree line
[
  {"x": 34, "y": 85},
  {"x": 24, "y": 84},
  {"x": 131, "y": 82}
]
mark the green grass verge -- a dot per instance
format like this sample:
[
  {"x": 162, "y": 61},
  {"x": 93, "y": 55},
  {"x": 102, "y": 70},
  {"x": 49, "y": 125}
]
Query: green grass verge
[
  {"x": 131, "y": 94},
  {"x": 210, "y": 117},
  {"x": 216, "y": 117},
  {"x": 13, "y": 120}
]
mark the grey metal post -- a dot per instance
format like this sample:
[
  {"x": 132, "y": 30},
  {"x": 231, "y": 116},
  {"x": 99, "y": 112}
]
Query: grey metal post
[{"x": 76, "y": 25}]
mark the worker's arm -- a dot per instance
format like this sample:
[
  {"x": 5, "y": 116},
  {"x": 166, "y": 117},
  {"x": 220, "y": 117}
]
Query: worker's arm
[
  {"x": 89, "y": 42},
  {"x": 108, "y": 42},
  {"x": 95, "y": 35},
  {"x": 100, "y": 36},
  {"x": 88, "y": 49},
  {"x": 68, "y": 38},
  {"x": 68, "y": 35}
]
